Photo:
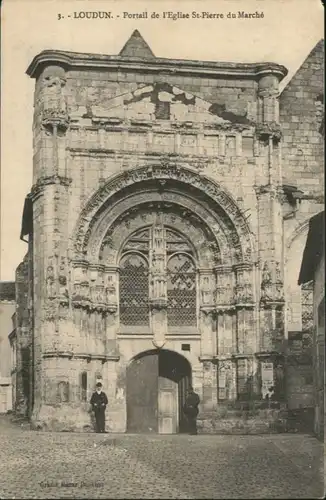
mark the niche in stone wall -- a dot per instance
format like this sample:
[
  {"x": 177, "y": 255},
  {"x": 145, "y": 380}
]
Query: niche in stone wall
[
  {"x": 230, "y": 146},
  {"x": 244, "y": 381},
  {"x": 63, "y": 392},
  {"x": 247, "y": 146},
  {"x": 83, "y": 384}
]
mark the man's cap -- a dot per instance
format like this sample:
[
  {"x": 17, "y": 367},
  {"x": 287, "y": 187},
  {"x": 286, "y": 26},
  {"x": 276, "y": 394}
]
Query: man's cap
[{"x": 98, "y": 384}]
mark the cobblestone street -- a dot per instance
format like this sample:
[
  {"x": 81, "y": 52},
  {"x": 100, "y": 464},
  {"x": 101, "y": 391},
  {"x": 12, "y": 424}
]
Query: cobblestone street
[{"x": 66, "y": 465}]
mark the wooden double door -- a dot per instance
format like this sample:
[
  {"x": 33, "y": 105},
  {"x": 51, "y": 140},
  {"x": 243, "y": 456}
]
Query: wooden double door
[{"x": 157, "y": 382}]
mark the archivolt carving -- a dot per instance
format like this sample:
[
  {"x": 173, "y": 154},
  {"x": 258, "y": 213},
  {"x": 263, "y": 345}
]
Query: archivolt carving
[
  {"x": 177, "y": 211},
  {"x": 297, "y": 232},
  {"x": 203, "y": 193},
  {"x": 201, "y": 239}
]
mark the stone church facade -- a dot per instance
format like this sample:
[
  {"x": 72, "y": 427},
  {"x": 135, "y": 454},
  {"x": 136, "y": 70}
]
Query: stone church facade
[{"x": 158, "y": 226}]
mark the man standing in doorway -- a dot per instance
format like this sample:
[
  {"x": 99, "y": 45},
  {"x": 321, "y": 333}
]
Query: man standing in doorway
[
  {"x": 99, "y": 401},
  {"x": 191, "y": 410}
]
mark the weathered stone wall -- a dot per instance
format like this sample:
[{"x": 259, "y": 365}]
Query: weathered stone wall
[
  {"x": 24, "y": 361},
  {"x": 99, "y": 147},
  {"x": 301, "y": 109}
]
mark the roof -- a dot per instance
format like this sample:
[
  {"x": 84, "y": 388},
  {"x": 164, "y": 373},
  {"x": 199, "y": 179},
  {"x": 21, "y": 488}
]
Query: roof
[
  {"x": 136, "y": 47},
  {"x": 136, "y": 55},
  {"x": 318, "y": 47},
  {"x": 314, "y": 248},
  {"x": 7, "y": 290}
]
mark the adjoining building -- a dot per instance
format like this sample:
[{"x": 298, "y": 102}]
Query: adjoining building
[
  {"x": 163, "y": 227},
  {"x": 313, "y": 270},
  {"x": 7, "y": 311}
]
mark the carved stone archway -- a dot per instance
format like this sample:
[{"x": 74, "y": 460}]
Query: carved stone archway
[{"x": 168, "y": 180}]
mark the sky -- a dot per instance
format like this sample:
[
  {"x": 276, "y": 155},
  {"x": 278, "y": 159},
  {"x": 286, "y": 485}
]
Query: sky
[{"x": 287, "y": 32}]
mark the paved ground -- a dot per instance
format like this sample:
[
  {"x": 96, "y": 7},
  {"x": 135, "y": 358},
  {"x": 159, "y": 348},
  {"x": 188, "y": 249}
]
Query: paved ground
[{"x": 67, "y": 465}]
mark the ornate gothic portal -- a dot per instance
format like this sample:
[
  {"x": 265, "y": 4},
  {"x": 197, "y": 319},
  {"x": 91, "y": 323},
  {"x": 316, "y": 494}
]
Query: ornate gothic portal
[{"x": 163, "y": 260}]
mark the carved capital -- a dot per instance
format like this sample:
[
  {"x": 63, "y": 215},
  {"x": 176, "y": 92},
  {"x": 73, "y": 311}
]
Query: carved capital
[
  {"x": 52, "y": 118},
  {"x": 208, "y": 310},
  {"x": 47, "y": 181},
  {"x": 207, "y": 362},
  {"x": 158, "y": 303},
  {"x": 272, "y": 130},
  {"x": 268, "y": 92}
]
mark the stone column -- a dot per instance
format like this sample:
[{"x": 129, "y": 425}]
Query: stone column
[
  {"x": 158, "y": 283},
  {"x": 112, "y": 301},
  {"x": 244, "y": 299},
  {"x": 221, "y": 145},
  {"x": 209, "y": 396},
  {"x": 50, "y": 200},
  {"x": 207, "y": 284},
  {"x": 225, "y": 308}
]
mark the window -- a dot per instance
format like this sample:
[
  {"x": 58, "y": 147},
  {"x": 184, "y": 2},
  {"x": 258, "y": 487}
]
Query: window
[
  {"x": 162, "y": 110},
  {"x": 134, "y": 294},
  {"x": 307, "y": 306},
  {"x": 181, "y": 291},
  {"x": 84, "y": 386},
  {"x": 141, "y": 253}
]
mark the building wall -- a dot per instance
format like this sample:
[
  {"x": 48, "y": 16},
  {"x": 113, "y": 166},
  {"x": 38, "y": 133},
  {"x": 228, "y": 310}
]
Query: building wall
[
  {"x": 7, "y": 309},
  {"x": 319, "y": 349},
  {"x": 301, "y": 107}
]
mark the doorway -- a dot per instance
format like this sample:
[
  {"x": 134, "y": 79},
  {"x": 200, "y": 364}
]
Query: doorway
[{"x": 157, "y": 382}]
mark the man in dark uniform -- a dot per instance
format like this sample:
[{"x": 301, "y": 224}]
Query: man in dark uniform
[
  {"x": 99, "y": 401},
  {"x": 191, "y": 410}
]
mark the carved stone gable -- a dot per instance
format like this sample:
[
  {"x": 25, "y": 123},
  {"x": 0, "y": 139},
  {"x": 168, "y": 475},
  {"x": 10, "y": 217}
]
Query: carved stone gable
[{"x": 162, "y": 101}]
